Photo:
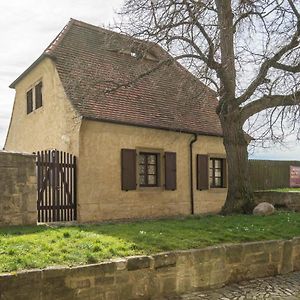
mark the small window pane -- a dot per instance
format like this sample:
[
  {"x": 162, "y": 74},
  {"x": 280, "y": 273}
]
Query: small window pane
[
  {"x": 210, "y": 163},
  {"x": 151, "y": 170},
  {"x": 142, "y": 169},
  {"x": 142, "y": 179},
  {"x": 152, "y": 159},
  {"x": 210, "y": 172},
  {"x": 151, "y": 179},
  {"x": 218, "y": 182},
  {"x": 141, "y": 159},
  {"x": 210, "y": 181},
  {"x": 218, "y": 172},
  {"x": 217, "y": 163}
]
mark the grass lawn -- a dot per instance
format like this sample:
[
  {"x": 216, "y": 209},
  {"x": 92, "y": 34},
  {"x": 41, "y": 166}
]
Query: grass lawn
[
  {"x": 285, "y": 190},
  {"x": 42, "y": 246}
]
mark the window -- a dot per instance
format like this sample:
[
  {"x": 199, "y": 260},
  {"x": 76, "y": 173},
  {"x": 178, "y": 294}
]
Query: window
[
  {"x": 148, "y": 169},
  {"x": 215, "y": 172},
  {"x": 34, "y": 98},
  {"x": 38, "y": 96},
  {"x": 211, "y": 172},
  {"x": 144, "y": 169},
  {"x": 29, "y": 102}
]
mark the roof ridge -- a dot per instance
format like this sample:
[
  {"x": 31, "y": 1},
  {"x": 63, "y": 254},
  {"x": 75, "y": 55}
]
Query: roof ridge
[
  {"x": 90, "y": 26},
  {"x": 51, "y": 47},
  {"x": 103, "y": 29}
]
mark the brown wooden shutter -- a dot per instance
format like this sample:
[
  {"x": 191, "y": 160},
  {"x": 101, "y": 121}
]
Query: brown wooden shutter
[
  {"x": 224, "y": 173},
  {"x": 170, "y": 171},
  {"x": 29, "y": 102},
  {"x": 38, "y": 95},
  {"x": 128, "y": 169},
  {"x": 202, "y": 172}
]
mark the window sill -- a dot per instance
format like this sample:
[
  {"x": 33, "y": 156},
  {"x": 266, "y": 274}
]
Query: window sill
[
  {"x": 150, "y": 188},
  {"x": 218, "y": 190},
  {"x": 35, "y": 111}
]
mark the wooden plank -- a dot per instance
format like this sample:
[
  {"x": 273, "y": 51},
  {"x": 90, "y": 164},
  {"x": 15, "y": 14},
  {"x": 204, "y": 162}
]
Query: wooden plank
[
  {"x": 67, "y": 187},
  {"x": 71, "y": 187},
  {"x": 61, "y": 211},
  {"x": 75, "y": 188},
  {"x": 63, "y": 188},
  {"x": 50, "y": 210},
  {"x": 55, "y": 187},
  {"x": 38, "y": 185}
]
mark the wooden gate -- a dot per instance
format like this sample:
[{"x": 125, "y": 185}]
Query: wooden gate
[{"x": 56, "y": 176}]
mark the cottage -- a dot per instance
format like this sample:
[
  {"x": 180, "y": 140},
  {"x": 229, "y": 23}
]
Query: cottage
[{"x": 147, "y": 139}]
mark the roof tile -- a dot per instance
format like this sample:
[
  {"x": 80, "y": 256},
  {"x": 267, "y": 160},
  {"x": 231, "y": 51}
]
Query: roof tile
[{"x": 91, "y": 61}]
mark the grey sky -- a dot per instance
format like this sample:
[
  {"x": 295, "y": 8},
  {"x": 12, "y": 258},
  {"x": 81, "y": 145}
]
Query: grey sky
[
  {"x": 26, "y": 29},
  {"x": 28, "y": 26}
]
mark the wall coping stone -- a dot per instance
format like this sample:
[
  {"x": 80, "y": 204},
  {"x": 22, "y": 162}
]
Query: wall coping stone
[
  {"x": 153, "y": 276},
  {"x": 17, "y": 153}
]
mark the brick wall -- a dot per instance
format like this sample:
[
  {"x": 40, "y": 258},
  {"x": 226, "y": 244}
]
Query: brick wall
[
  {"x": 17, "y": 189},
  {"x": 151, "y": 277}
]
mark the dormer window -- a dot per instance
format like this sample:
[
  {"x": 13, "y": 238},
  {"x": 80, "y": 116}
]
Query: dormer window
[
  {"x": 136, "y": 53},
  {"x": 34, "y": 98},
  {"x": 133, "y": 54}
]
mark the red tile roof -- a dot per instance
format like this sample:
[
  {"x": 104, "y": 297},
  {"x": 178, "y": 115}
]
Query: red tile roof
[{"x": 92, "y": 61}]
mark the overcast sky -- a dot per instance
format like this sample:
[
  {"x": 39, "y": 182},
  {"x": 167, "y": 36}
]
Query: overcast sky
[{"x": 28, "y": 26}]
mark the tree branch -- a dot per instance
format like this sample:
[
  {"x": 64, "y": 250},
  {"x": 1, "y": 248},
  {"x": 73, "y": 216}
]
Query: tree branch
[
  {"x": 292, "y": 69},
  {"x": 296, "y": 12},
  {"x": 269, "y": 102},
  {"x": 127, "y": 84},
  {"x": 244, "y": 16},
  {"x": 210, "y": 43},
  {"x": 266, "y": 65}
]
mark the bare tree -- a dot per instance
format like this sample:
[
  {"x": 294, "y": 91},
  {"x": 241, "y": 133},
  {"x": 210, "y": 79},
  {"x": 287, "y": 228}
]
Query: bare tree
[{"x": 247, "y": 50}]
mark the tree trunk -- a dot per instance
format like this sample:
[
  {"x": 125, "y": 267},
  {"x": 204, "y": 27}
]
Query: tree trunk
[{"x": 240, "y": 197}]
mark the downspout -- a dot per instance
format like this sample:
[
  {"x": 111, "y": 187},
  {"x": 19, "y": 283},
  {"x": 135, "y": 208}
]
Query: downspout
[{"x": 191, "y": 172}]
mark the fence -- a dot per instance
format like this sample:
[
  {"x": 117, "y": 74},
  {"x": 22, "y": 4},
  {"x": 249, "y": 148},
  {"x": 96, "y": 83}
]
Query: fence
[
  {"x": 56, "y": 171},
  {"x": 270, "y": 174}
]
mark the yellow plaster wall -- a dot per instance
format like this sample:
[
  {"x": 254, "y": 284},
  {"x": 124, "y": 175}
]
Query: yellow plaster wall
[
  {"x": 212, "y": 200},
  {"x": 99, "y": 174},
  {"x": 54, "y": 125}
]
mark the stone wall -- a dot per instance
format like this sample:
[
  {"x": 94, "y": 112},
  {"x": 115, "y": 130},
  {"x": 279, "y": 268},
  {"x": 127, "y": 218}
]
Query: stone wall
[
  {"x": 151, "y": 277},
  {"x": 281, "y": 200},
  {"x": 17, "y": 189}
]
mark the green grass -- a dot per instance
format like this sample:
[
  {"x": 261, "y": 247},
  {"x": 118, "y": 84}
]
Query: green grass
[
  {"x": 284, "y": 190},
  {"x": 42, "y": 246}
]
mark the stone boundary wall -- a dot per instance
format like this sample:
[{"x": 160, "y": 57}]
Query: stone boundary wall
[
  {"x": 285, "y": 200},
  {"x": 151, "y": 277},
  {"x": 17, "y": 189}
]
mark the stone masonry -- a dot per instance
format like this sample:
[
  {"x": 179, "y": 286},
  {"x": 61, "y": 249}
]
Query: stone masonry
[
  {"x": 17, "y": 189},
  {"x": 154, "y": 277},
  {"x": 281, "y": 200}
]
